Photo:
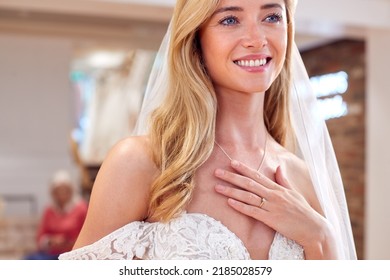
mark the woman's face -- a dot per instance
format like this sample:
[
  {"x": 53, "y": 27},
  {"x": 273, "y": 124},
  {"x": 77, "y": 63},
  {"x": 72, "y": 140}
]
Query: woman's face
[
  {"x": 62, "y": 194},
  {"x": 244, "y": 44}
]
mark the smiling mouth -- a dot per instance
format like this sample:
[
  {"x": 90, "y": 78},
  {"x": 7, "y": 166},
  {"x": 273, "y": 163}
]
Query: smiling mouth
[{"x": 252, "y": 62}]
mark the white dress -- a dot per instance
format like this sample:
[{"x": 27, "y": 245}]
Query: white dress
[{"x": 190, "y": 236}]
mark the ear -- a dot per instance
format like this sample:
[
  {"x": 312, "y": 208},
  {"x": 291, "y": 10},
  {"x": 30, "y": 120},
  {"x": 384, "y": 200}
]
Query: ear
[{"x": 281, "y": 178}]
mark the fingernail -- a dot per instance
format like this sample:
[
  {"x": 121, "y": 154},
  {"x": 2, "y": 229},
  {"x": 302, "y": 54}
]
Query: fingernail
[
  {"x": 235, "y": 163},
  {"x": 232, "y": 201},
  {"x": 220, "y": 188},
  {"x": 219, "y": 172}
]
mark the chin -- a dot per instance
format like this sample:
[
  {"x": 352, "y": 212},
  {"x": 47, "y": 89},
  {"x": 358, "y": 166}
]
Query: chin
[
  {"x": 256, "y": 87},
  {"x": 256, "y": 90}
]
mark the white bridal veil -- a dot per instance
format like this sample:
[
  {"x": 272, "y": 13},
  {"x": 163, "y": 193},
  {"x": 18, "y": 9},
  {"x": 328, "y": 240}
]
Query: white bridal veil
[
  {"x": 313, "y": 140},
  {"x": 317, "y": 151}
]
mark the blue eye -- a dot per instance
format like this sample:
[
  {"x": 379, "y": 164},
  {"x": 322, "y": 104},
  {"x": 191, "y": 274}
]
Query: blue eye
[
  {"x": 274, "y": 18},
  {"x": 230, "y": 20}
]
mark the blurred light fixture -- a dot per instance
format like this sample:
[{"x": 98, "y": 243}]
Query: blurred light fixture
[
  {"x": 333, "y": 107},
  {"x": 329, "y": 89},
  {"x": 330, "y": 84},
  {"x": 105, "y": 59}
]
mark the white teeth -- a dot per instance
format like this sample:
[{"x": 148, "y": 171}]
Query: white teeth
[{"x": 252, "y": 63}]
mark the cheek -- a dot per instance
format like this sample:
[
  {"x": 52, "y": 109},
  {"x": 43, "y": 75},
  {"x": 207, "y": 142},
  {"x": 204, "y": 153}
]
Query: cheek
[
  {"x": 216, "y": 45},
  {"x": 208, "y": 51},
  {"x": 211, "y": 55},
  {"x": 281, "y": 50},
  {"x": 215, "y": 67}
]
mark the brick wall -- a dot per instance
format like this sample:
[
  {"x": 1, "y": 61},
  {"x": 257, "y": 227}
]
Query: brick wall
[{"x": 348, "y": 132}]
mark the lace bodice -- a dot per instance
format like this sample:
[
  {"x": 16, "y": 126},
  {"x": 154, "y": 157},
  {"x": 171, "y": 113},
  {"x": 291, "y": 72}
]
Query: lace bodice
[{"x": 189, "y": 236}]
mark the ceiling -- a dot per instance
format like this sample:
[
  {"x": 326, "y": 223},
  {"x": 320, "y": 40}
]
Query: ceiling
[{"x": 113, "y": 24}]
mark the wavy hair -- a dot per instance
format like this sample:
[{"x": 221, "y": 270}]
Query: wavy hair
[
  {"x": 276, "y": 100},
  {"x": 182, "y": 129}
]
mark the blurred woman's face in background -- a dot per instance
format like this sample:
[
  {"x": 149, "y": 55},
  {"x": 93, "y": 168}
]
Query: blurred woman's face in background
[{"x": 62, "y": 194}]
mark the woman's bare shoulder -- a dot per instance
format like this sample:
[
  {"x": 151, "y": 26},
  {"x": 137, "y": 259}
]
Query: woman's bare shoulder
[
  {"x": 134, "y": 153},
  {"x": 120, "y": 194}
]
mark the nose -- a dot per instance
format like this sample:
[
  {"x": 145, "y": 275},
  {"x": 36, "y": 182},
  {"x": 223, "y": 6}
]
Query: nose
[{"x": 254, "y": 37}]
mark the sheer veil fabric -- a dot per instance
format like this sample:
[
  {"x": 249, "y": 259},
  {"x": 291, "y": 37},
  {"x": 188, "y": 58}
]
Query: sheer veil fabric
[
  {"x": 314, "y": 145},
  {"x": 316, "y": 149}
]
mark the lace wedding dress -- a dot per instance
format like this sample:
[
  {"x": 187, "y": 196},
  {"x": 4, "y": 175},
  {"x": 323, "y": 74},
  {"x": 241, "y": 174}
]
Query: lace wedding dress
[{"x": 189, "y": 236}]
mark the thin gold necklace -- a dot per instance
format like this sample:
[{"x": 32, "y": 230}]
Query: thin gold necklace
[{"x": 262, "y": 159}]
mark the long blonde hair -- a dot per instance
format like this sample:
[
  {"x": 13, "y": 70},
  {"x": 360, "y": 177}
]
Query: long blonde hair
[
  {"x": 183, "y": 128},
  {"x": 276, "y": 100}
]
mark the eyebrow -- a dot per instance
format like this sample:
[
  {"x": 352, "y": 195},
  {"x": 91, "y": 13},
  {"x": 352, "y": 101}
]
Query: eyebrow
[
  {"x": 271, "y": 6},
  {"x": 239, "y": 9}
]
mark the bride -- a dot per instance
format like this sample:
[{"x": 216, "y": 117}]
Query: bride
[{"x": 231, "y": 163}]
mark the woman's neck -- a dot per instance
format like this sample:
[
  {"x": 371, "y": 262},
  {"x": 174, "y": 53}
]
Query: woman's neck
[{"x": 240, "y": 120}]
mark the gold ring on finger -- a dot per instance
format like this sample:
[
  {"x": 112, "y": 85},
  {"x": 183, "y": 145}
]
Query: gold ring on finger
[{"x": 262, "y": 202}]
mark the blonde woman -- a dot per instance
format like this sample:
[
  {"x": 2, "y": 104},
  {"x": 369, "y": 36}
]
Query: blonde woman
[{"x": 214, "y": 175}]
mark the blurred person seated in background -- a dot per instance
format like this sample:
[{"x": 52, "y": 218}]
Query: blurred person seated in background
[
  {"x": 1, "y": 206},
  {"x": 61, "y": 221}
]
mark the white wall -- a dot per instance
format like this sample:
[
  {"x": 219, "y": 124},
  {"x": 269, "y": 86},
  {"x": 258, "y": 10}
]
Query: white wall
[
  {"x": 35, "y": 114},
  {"x": 377, "y": 148}
]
